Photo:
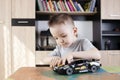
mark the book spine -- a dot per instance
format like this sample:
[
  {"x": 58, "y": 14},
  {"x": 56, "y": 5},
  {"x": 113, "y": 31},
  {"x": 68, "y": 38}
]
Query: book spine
[
  {"x": 70, "y": 7},
  {"x": 51, "y": 5},
  {"x": 76, "y": 5},
  {"x": 44, "y": 8},
  {"x": 73, "y": 5},
  {"x": 40, "y": 5},
  {"x": 59, "y": 7},
  {"x": 55, "y": 4},
  {"x": 82, "y": 10},
  {"x": 67, "y": 7},
  {"x": 63, "y": 4},
  {"x": 92, "y": 5},
  {"x": 48, "y": 6}
]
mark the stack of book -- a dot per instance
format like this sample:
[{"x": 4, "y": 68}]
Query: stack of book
[{"x": 64, "y": 5}]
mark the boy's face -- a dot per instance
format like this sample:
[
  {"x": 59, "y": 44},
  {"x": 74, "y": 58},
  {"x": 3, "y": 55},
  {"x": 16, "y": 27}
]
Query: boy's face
[{"x": 64, "y": 34}]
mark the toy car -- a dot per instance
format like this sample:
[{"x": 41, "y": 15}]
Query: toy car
[{"x": 78, "y": 66}]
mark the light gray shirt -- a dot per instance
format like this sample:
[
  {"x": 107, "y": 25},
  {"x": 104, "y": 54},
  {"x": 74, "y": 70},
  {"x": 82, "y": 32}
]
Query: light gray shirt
[{"x": 79, "y": 45}]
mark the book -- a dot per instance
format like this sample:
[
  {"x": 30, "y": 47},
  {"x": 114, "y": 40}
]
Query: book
[
  {"x": 73, "y": 5},
  {"x": 70, "y": 6},
  {"x": 48, "y": 6},
  {"x": 63, "y": 4},
  {"x": 45, "y": 4},
  {"x": 82, "y": 10},
  {"x": 59, "y": 7},
  {"x": 92, "y": 5},
  {"x": 40, "y": 5},
  {"x": 55, "y": 5},
  {"x": 67, "y": 7},
  {"x": 51, "y": 5},
  {"x": 76, "y": 5}
]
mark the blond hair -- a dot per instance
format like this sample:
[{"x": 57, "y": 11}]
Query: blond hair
[{"x": 61, "y": 18}]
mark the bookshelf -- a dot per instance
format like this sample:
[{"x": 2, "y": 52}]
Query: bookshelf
[
  {"x": 66, "y": 6},
  {"x": 70, "y": 13},
  {"x": 78, "y": 15}
]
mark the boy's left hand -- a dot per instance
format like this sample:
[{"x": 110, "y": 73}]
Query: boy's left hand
[{"x": 68, "y": 58}]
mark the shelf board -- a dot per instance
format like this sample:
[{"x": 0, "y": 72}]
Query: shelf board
[
  {"x": 110, "y": 33},
  {"x": 70, "y": 13}
]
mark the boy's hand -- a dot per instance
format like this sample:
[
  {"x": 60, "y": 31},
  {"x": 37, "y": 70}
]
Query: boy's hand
[
  {"x": 68, "y": 58},
  {"x": 55, "y": 61}
]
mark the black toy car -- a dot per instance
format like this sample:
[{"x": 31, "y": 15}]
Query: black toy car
[{"x": 78, "y": 66}]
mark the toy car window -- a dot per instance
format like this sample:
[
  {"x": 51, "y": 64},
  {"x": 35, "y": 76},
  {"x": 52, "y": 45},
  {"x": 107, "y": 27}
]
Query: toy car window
[{"x": 79, "y": 61}]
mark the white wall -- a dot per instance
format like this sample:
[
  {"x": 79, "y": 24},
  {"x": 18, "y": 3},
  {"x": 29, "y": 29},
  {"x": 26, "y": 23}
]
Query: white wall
[{"x": 85, "y": 29}]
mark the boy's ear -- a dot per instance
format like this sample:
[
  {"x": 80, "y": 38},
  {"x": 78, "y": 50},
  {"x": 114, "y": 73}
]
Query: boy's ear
[{"x": 75, "y": 30}]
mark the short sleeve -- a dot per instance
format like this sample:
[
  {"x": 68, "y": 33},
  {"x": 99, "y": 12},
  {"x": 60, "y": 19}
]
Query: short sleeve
[
  {"x": 55, "y": 52},
  {"x": 87, "y": 44}
]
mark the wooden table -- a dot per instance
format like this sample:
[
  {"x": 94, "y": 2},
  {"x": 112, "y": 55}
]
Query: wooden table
[{"x": 45, "y": 73}]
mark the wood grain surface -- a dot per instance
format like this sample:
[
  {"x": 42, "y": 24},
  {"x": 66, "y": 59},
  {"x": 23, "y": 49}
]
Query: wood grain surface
[{"x": 45, "y": 73}]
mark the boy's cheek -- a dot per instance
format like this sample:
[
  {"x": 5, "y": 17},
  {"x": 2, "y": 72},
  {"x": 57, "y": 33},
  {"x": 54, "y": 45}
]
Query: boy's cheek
[{"x": 58, "y": 43}]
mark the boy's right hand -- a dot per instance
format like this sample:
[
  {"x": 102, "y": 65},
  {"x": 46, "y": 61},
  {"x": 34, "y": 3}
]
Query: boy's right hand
[{"x": 55, "y": 61}]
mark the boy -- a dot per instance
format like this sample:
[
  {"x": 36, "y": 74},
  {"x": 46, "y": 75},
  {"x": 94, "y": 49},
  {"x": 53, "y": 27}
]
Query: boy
[{"x": 69, "y": 46}]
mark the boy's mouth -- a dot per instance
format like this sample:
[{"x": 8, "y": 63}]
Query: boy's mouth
[{"x": 65, "y": 45}]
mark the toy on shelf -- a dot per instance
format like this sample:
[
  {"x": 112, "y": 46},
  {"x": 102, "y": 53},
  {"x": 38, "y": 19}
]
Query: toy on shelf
[{"x": 78, "y": 66}]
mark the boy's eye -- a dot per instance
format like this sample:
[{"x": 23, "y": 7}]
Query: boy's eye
[
  {"x": 56, "y": 38},
  {"x": 64, "y": 35}
]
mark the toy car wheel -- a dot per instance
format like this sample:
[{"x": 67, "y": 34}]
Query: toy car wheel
[
  {"x": 93, "y": 68},
  {"x": 69, "y": 71}
]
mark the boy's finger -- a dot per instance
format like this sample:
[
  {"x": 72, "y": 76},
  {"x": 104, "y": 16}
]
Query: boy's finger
[
  {"x": 70, "y": 60},
  {"x": 52, "y": 63},
  {"x": 63, "y": 61},
  {"x": 59, "y": 62}
]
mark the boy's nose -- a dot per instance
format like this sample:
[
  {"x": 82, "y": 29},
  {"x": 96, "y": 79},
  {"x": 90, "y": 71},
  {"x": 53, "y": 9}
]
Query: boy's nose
[{"x": 61, "y": 41}]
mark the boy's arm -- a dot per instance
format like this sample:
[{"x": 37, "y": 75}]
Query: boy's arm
[
  {"x": 88, "y": 54},
  {"x": 92, "y": 53},
  {"x": 89, "y": 51},
  {"x": 50, "y": 56},
  {"x": 53, "y": 58}
]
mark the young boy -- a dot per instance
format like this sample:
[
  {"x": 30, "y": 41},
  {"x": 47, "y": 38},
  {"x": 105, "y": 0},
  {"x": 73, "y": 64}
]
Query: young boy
[{"x": 69, "y": 46}]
